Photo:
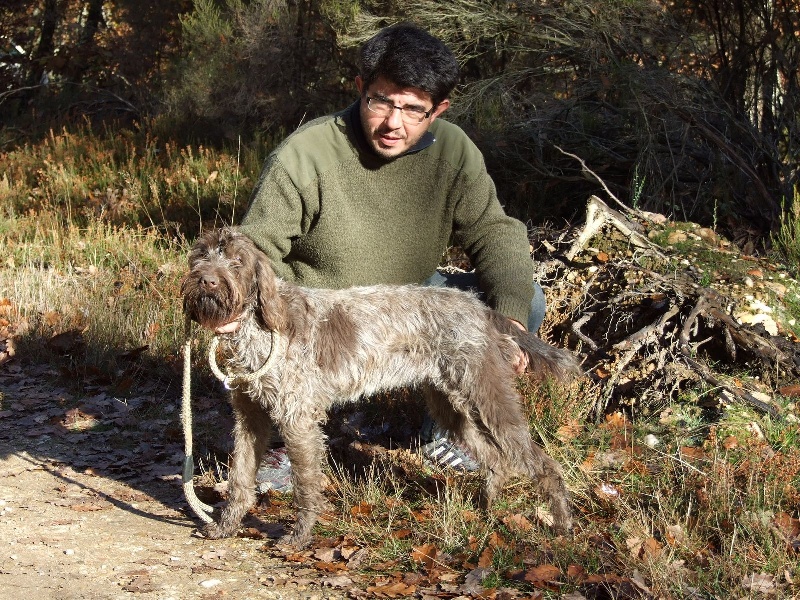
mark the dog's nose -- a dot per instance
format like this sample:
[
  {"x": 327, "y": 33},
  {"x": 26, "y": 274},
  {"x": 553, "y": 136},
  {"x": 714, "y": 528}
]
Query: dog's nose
[{"x": 209, "y": 281}]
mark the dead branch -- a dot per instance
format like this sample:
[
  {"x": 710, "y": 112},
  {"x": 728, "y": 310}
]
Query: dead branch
[
  {"x": 598, "y": 214},
  {"x": 652, "y": 329},
  {"x": 740, "y": 394},
  {"x": 587, "y": 170}
]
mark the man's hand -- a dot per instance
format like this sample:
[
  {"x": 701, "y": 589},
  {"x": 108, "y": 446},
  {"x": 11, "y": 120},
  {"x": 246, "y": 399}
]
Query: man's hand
[
  {"x": 229, "y": 327},
  {"x": 521, "y": 362}
]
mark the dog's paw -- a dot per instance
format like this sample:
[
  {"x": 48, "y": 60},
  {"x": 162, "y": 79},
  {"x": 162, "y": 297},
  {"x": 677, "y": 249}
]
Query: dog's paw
[
  {"x": 214, "y": 531},
  {"x": 562, "y": 516},
  {"x": 294, "y": 540}
]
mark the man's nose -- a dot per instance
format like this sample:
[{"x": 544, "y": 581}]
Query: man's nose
[{"x": 395, "y": 118}]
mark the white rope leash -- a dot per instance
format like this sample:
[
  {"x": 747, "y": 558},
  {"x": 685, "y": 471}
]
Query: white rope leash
[
  {"x": 202, "y": 510},
  {"x": 228, "y": 378}
]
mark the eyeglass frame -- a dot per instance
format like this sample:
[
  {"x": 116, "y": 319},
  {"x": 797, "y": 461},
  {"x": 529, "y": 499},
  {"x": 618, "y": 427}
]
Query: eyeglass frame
[{"x": 425, "y": 115}]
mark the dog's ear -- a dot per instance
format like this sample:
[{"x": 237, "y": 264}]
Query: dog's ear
[{"x": 271, "y": 307}]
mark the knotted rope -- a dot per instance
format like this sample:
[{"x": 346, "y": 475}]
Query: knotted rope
[
  {"x": 202, "y": 510},
  {"x": 228, "y": 378}
]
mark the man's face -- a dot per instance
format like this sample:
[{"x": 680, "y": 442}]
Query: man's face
[{"x": 390, "y": 136}]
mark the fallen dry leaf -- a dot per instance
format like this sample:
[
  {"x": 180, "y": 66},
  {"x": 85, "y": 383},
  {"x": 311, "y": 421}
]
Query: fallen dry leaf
[
  {"x": 401, "y": 534},
  {"x": 392, "y": 590},
  {"x": 518, "y": 522},
  {"x": 576, "y": 572},
  {"x": 607, "y": 491},
  {"x": 643, "y": 548},
  {"x": 497, "y": 541},
  {"x": 77, "y": 420},
  {"x": 546, "y": 572},
  {"x": 486, "y": 557},
  {"x": 330, "y": 567},
  {"x": 675, "y": 535},
  {"x": 730, "y": 442},
  {"x": 692, "y": 452},
  {"x": 791, "y": 391},
  {"x": 570, "y": 430},
  {"x": 602, "y": 372},
  {"x": 425, "y": 554},
  {"x": 66, "y": 342},
  {"x": 338, "y": 581},
  {"x": 134, "y": 353},
  {"x": 251, "y": 533},
  {"x": 6, "y": 307},
  {"x": 362, "y": 510},
  {"x": 759, "y": 582}
]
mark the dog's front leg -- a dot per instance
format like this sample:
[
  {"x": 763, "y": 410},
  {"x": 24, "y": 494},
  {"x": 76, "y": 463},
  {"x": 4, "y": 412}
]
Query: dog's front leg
[
  {"x": 251, "y": 435},
  {"x": 305, "y": 445}
]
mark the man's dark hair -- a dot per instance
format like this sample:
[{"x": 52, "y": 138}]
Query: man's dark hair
[{"x": 410, "y": 57}]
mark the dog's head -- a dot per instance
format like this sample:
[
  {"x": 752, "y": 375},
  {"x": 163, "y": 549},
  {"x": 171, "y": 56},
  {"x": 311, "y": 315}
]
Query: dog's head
[{"x": 229, "y": 275}]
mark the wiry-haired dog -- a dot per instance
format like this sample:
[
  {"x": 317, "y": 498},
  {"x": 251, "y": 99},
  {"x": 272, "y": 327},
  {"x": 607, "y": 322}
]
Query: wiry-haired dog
[{"x": 341, "y": 345}]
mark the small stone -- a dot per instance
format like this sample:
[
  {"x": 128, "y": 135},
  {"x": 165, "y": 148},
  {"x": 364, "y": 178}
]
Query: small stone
[
  {"x": 656, "y": 218},
  {"x": 676, "y": 237},
  {"x": 766, "y": 398},
  {"x": 777, "y": 288},
  {"x": 209, "y": 583},
  {"x": 69, "y": 551},
  {"x": 651, "y": 441}
]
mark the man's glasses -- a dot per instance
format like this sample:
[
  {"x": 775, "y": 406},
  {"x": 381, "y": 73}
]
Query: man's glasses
[{"x": 383, "y": 107}]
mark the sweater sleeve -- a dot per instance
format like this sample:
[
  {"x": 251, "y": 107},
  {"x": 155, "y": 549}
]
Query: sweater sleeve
[
  {"x": 278, "y": 213},
  {"x": 497, "y": 246}
]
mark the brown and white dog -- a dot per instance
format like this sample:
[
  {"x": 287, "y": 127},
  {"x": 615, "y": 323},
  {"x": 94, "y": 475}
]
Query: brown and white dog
[{"x": 333, "y": 346}]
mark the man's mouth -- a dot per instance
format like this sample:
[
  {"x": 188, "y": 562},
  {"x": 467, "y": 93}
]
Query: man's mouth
[{"x": 389, "y": 140}]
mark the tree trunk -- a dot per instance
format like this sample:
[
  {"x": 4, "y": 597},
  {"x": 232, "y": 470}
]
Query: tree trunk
[{"x": 46, "y": 46}]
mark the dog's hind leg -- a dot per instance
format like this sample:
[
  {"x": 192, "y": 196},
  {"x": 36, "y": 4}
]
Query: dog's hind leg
[
  {"x": 546, "y": 473},
  {"x": 305, "y": 445},
  {"x": 499, "y": 409},
  {"x": 500, "y": 425},
  {"x": 447, "y": 409},
  {"x": 251, "y": 436}
]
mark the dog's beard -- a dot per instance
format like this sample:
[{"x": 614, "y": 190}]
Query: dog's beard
[{"x": 210, "y": 310}]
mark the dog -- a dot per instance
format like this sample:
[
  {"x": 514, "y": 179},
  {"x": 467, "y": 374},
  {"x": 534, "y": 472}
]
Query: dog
[{"x": 330, "y": 346}]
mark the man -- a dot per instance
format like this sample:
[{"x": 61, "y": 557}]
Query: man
[{"x": 376, "y": 193}]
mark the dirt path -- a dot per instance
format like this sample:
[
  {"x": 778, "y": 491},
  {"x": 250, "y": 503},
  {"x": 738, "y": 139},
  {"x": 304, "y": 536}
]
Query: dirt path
[{"x": 91, "y": 506}]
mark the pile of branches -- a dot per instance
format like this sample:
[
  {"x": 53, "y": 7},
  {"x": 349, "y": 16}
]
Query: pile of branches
[{"x": 648, "y": 325}]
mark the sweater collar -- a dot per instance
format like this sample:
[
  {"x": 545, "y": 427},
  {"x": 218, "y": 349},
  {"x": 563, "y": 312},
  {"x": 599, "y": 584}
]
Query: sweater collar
[{"x": 352, "y": 120}]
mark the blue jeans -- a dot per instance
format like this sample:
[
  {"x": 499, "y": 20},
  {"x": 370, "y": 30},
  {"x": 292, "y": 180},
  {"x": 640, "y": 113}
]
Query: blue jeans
[{"x": 469, "y": 281}]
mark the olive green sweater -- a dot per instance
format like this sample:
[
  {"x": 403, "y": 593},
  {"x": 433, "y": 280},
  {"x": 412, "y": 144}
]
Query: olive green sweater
[{"x": 330, "y": 213}]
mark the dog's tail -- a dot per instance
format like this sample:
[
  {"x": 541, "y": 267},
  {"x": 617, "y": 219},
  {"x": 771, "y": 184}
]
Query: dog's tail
[{"x": 544, "y": 359}]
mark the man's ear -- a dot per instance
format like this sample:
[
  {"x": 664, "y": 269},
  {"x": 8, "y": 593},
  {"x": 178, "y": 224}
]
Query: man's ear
[
  {"x": 440, "y": 108},
  {"x": 360, "y": 85}
]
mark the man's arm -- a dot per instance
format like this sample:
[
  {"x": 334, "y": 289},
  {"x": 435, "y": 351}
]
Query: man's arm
[
  {"x": 273, "y": 219},
  {"x": 498, "y": 248},
  {"x": 277, "y": 215}
]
